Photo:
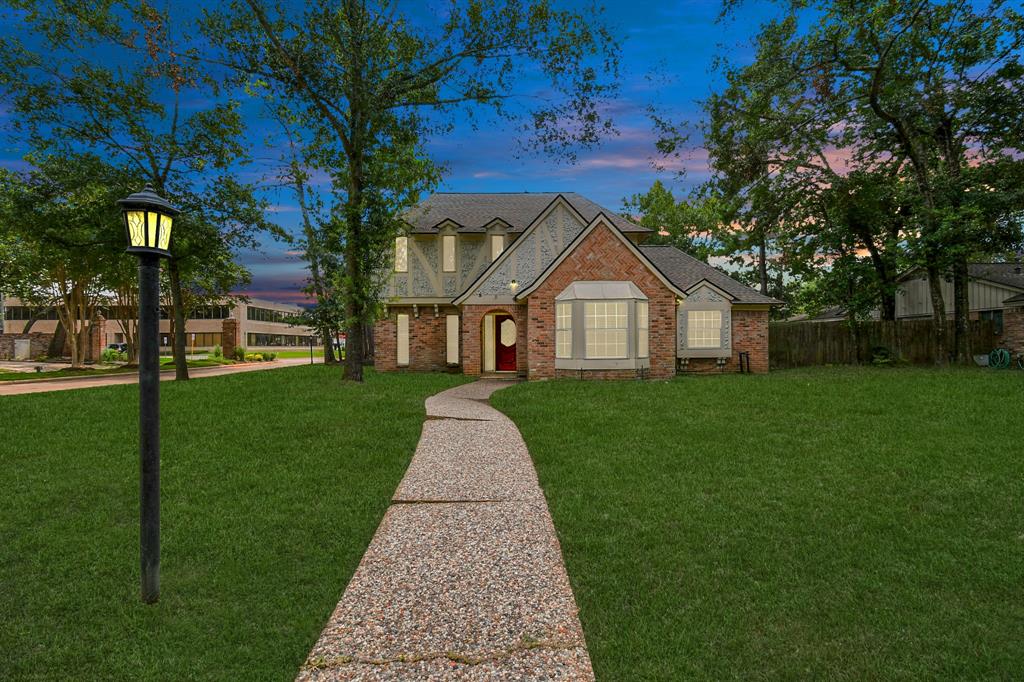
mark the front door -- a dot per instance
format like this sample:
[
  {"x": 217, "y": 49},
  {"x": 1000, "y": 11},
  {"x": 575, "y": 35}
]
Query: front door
[{"x": 505, "y": 343}]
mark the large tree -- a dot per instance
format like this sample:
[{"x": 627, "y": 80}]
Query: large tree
[
  {"x": 113, "y": 78},
  {"x": 372, "y": 81}
]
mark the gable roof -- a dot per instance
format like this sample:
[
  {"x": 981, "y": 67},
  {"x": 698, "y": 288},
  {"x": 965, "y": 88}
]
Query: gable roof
[
  {"x": 685, "y": 271},
  {"x": 474, "y": 211},
  {"x": 599, "y": 219},
  {"x": 1009, "y": 275}
]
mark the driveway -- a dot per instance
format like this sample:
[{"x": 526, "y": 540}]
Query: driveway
[{"x": 44, "y": 386}]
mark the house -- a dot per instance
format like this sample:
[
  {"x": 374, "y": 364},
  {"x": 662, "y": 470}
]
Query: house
[
  {"x": 990, "y": 286},
  {"x": 544, "y": 285}
]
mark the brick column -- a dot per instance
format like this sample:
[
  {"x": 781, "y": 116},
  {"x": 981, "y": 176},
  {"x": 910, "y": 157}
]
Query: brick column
[
  {"x": 97, "y": 339},
  {"x": 1013, "y": 327},
  {"x": 229, "y": 336}
]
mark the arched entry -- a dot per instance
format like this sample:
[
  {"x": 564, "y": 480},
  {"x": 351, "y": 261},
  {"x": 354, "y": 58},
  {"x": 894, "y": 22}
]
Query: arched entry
[{"x": 499, "y": 342}]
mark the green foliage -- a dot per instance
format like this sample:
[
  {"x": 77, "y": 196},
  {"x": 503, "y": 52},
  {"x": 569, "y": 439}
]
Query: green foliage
[
  {"x": 113, "y": 355},
  {"x": 217, "y": 352},
  {"x": 690, "y": 225},
  {"x": 791, "y": 527},
  {"x": 253, "y": 357},
  {"x": 239, "y": 353}
]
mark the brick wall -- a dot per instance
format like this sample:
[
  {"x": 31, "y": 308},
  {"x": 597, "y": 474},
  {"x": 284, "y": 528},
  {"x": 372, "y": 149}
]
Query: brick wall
[
  {"x": 428, "y": 341},
  {"x": 40, "y": 344},
  {"x": 602, "y": 256},
  {"x": 1013, "y": 328},
  {"x": 749, "y": 334},
  {"x": 472, "y": 335},
  {"x": 97, "y": 339}
]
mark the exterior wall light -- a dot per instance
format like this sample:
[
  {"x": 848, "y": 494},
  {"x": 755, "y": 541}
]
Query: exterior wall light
[{"x": 513, "y": 285}]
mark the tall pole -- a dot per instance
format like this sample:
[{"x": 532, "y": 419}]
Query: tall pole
[
  {"x": 311, "y": 349},
  {"x": 149, "y": 425}
]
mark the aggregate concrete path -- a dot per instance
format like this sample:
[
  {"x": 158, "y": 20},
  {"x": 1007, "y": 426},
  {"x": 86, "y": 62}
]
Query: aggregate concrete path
[
  {"x": 464, "y": 578},
  {"x": 35, "y": 384}
]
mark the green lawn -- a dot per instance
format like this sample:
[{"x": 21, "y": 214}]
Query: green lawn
[
  {"x": 273, "y": 483},
  {"x": 820, "y": 524},
  {"x": 165, "y": 364}
]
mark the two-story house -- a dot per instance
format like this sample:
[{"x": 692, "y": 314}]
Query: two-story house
[{"x": 544, "y": 285}]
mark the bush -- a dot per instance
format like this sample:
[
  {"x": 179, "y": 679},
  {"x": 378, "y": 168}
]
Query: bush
[
  {"x": 217, "y": 353},
  {"x": 240, "y": 353},
  {"x": 253, "y": 357},
  {"x": 112, "y": 355},
  {"x": 269, "y": 357}
]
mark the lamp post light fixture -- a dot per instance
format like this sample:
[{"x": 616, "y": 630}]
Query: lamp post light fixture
[{"x": 148, "y": 220}]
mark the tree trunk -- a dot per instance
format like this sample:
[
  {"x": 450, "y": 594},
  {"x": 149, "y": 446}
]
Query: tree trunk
[
  {"x": 59, "y": 340},
  {"x": 328, "y": 339},
  {"x": 938, "y": 315},
  {"x": 961, "y": 312},
  {"x": 177, "y": 304},
  {"x": 762, "y": 264}
]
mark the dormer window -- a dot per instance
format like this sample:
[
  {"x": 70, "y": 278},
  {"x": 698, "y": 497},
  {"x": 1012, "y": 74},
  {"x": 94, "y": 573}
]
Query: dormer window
[
  {"x": 497, "y": 246},
  {"x": 401, "y": 254},
  {"x": 448, "y": 253}
]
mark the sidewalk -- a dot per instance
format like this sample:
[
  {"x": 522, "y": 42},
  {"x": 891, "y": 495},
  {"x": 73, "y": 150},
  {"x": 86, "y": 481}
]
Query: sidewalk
[
  {"x": 464, "y": 578},
  {"x": 32, "y": 385}
]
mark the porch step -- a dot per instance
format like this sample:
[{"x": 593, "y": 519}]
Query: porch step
[{"x": 500, "y": 376}]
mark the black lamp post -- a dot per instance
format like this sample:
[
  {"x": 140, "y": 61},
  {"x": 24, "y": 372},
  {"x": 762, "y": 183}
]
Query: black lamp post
[{"x": 148, "y": 219}]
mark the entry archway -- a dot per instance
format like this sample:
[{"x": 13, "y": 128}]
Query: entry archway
[{"x": 498, "y": 342}]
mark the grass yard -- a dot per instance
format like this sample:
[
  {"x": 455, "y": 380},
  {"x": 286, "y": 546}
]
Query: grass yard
[
  {"x": 835, "y": 523},
  {"x": 273, "y": 484}
]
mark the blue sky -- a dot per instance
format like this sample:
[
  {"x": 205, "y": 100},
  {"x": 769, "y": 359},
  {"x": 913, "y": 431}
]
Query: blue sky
[{"x": 667, "y": 55}]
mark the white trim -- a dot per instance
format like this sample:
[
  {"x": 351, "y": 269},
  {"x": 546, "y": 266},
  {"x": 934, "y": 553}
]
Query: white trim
[
  {"x": 707, "y": 283},
  {"x": 452, "y": 339},
  {"x": 402, "y": 340},
  {"x": 510, "y": 248},
  {"x": 600, "y": 219}
]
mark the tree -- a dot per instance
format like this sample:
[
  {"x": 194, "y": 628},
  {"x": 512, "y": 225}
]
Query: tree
[
  {"x": 370, "y": 83},
  {"x": 926, "y": 92},
  {"x": 64, "y": 239},
  {"x": 689, "y": 225},
  {"x": 67, "y": 98}
]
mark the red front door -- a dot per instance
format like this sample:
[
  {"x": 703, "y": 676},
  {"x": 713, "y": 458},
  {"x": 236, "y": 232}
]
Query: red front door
[{"x": 505, "y": 343}]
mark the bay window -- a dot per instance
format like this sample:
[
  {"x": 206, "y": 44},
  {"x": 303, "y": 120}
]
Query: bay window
[{"x": 601, "y": 325}]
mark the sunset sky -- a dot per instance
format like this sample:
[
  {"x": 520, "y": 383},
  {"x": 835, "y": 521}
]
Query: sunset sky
[{"x": 668, "y": 49}]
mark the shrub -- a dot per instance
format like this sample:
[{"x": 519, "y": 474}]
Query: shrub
[
  {"x": 269, "y": 357},
  {"x": 113, "y": 355},
  {"x": 253, "y": 357},
  {"x": 217, "y": 352},
  {"x": 240, "y": 353}
]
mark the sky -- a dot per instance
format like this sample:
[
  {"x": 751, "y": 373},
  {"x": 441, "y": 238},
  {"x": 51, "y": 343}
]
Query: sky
[{"x": 667, "y": 55}]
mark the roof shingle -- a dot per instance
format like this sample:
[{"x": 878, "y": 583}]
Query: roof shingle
[
  {"x": 473, "y": 211},
  {"x": 683, "y": 270}
]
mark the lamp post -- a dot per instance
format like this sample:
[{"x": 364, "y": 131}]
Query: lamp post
[{"x": 148, "y": 219}]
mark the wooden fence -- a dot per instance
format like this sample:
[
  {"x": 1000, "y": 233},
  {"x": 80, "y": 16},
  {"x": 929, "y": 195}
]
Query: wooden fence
[{"x": 800, "y": 344}]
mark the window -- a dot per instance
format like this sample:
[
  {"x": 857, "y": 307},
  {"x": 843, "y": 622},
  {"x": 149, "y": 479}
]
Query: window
[
  {"x": 997, "y": 318},
  {"x": 452, "y": 354},
  {"x": 563, "y": 330},
  {"x": 403, "y": 340},
  {"x": 256, "y": 339},
  {"x": 704, "y": 329},
  {"x": 401, "y": 254},
  {"x": 606, "y": 328},
  {"x": 497, "y": 246},
  {"x": 642, "y": 350},
  {"x": 448, "y": 253},
  {"x": 267, "y": 315}
]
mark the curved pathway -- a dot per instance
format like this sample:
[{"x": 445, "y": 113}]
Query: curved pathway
[{"x": 464, "y": 578}]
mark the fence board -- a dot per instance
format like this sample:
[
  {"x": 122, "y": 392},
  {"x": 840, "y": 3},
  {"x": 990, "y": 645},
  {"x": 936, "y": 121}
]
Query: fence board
[{"x": 801, "y": 344}]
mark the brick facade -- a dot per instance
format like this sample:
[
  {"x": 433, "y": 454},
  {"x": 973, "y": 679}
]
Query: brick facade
[
  {"x": 602, "y": 256},
  {"x": 428, "y": 339},
  {"x": 473, "y": 330},
  {"x": 39, "y": 344},
  {"x": 749, "y": 334}
]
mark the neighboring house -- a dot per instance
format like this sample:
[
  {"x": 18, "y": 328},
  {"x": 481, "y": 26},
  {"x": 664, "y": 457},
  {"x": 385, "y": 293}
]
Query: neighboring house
[
  {"x": 990, "y": 286},
  {"x": 546, "y": 285}
]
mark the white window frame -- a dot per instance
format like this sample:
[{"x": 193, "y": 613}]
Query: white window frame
[
  {"x": 704, "y": 300},
  {"x": 602, "y": 333},
  {"x": 709, "y": 325},
  {"x": 497, "y": 246},
  {"x": 449, "y": 249},
  {"x": 452, "y": 339},
  {"x": 401, "y": 254},
  {"x": 402, "y": 340},
  {"x": 643, "y": 324},
  {"x": 563, "y": 330}
]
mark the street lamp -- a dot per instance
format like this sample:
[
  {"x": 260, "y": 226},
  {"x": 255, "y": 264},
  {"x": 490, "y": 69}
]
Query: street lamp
[{"x": 148, "y": 219}]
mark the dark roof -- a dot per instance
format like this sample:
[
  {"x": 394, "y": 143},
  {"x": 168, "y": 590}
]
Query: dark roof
[
  {"x": 1007, "y": 274},
  {"x": 1019, "y": 298},
  {"x": 683, "y": 270},
  {"x": 473, "y": 211}
]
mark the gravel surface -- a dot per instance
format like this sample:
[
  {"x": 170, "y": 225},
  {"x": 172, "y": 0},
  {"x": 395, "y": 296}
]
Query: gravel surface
[{"x": 464, "y": 578}]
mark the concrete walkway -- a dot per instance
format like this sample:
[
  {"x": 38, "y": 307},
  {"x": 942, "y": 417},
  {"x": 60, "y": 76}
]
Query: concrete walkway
[
  {"x": 464, "y": 578},
  {"x": 46, "y": 385}
]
